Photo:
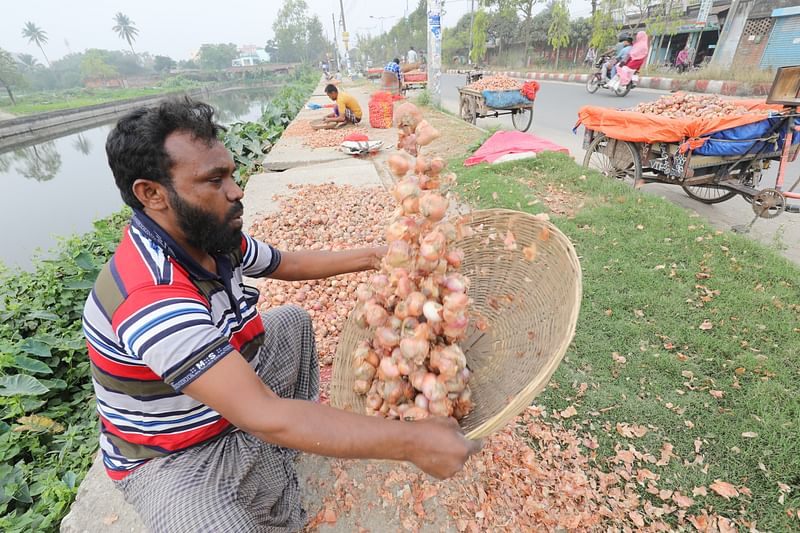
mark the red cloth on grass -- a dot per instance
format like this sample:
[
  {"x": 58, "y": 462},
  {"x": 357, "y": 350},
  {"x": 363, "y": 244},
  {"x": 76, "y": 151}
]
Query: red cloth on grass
[{"x": 511, "y": 142}]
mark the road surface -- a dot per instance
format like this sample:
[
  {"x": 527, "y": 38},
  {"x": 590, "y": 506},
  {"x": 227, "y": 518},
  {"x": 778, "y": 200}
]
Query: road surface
[{"x": 554, "y": 116}]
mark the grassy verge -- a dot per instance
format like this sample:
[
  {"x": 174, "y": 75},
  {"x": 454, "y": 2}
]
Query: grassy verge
[
  {"x": 689, "y": 332},
  {"x": 40, "y": 102},
  {"x": 748, "y": 76}
]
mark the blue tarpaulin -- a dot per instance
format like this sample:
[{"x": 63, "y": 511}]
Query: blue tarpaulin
[
  {"x": 744, "y": 139},
  {"x": 505, "y": 99}
]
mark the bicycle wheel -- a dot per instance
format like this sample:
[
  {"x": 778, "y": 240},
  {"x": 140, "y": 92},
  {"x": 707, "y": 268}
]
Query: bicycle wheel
[
  {"x": 593, "y": 83},
  {"x": 708, "y": 194},
  {"x": 615, "y": 159},
  {"x": 522, "y": 118}
]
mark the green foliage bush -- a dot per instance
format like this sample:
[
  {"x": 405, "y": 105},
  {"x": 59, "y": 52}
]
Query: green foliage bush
[
  {"x": 249, "y": 142},
  {"x": 48, "y": 426},
  {"x": 44, "y": 371}
]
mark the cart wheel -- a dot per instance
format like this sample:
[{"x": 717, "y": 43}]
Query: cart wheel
[
  {"x": 522, "y": 118},
  {"x": 709, "y": 194},
  {"x": 593, "y": 83},
  {"x": 615, "y": 159},
  {"x": 467, "y": 111}
]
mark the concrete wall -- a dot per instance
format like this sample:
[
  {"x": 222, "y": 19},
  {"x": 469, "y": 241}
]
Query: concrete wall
[
  {"x": 764, "y": 9},
  {"x": 732, "y": 33},
  {"x": 753, "y": 42},
  {"x": 45, "y": 126},
  {"x": 31, "y": 129}
]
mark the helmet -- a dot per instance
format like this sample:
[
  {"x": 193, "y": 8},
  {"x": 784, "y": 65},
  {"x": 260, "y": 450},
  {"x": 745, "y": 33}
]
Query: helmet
[{"x": 625, "y": 36}]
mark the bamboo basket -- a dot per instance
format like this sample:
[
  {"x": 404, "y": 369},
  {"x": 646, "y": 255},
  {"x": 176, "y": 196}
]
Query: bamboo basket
[{"x": 531, "y": 308}]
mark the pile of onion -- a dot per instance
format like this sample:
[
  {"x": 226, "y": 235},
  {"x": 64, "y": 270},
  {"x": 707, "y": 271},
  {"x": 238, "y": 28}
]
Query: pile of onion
[{"x": 416, "y": 307}]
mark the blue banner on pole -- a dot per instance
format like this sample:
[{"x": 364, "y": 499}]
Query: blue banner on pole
[{"x": 435, "y": 23}]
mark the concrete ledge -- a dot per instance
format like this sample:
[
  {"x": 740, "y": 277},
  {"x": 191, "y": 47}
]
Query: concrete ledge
[
  {"x": 727, "y": 88},
  {"x": 40, "y": 127}
]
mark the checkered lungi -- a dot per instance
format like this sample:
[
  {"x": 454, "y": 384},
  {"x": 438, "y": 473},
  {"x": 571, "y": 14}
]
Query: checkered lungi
[
  {"x": 349, "y": 116},
  {"x": 236, "y": 482}
]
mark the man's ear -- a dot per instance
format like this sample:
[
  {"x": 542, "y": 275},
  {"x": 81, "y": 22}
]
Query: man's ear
[{"x": 153, "y": 195}]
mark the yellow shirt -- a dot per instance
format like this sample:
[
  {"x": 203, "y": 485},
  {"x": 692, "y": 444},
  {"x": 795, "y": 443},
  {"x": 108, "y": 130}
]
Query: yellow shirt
[{"x": 345, "y": 101}]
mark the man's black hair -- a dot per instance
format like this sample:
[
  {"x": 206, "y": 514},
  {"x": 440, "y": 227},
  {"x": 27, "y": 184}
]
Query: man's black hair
[
  {"x": 395, "y": 60},
  {"x": 413, "y": 48},
  {"x": 135, "y": 147},
  {"x": 331, "y": 88}
]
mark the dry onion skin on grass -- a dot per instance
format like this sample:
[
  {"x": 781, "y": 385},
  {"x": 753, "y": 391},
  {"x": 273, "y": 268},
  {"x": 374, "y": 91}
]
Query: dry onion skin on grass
[
  {"x": 498, "y": 82},
  {"x": 684, "y": 105},
  {"x": 417, "y": 304},
  {"x": 322, "y": 217}
]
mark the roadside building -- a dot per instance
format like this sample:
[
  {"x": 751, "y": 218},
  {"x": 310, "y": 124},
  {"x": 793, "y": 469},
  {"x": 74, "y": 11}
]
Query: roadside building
[{"x": 760, "y": 34}]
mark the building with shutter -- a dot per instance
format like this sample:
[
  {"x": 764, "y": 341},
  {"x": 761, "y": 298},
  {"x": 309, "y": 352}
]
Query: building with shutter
[
  {"x": 783, "y": 46},
  {"x": 760, "y": 34}
]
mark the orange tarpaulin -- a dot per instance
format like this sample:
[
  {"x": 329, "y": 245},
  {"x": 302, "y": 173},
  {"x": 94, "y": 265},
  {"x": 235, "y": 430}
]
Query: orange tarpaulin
[{"x": 649, "y": 128}]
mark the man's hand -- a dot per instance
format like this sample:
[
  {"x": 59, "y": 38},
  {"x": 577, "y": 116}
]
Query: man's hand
[
  {"x": 377, "y": 256},
  {"x": 234, "y": 390},
  {"x": 439, "y": 448}
]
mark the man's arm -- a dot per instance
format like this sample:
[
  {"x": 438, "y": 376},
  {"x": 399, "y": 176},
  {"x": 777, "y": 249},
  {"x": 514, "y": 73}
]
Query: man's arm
[
  {"x": 232, "y": 389},
  {"x": 319, "y": 264}
]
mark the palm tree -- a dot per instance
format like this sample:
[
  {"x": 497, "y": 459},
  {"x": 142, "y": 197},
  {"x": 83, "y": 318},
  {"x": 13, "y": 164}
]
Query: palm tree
[
  {"x": 37, "y": 35},
  {"x": 28, "y": 62},
  {"x": 126, "y": 29}
]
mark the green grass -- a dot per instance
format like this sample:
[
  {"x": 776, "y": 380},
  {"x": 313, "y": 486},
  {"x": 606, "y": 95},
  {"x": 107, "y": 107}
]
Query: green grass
[
  {"x": 646, "y": 265},
  {"x": 52, "y": 101},
  {"x": 745, "y": 75}
]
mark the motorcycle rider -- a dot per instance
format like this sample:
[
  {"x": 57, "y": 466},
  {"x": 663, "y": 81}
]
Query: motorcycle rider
[
  {"x": 620, "y": 52},
  {"x": 633, "y": 59}
]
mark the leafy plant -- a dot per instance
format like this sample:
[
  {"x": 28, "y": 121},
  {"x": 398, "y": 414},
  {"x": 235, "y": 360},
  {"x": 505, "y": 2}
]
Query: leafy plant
[
  {"x": 249, "y": 142},
  {"x": 48, "y": 429},
  {"x": 48, "y": 426}
]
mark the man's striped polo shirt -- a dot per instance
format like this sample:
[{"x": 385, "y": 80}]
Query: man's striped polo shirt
[{"x": 154, "y": 322}]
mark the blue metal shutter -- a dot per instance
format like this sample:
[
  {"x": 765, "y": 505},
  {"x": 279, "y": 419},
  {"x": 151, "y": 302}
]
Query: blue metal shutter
[{"x": 783, "y": 48}]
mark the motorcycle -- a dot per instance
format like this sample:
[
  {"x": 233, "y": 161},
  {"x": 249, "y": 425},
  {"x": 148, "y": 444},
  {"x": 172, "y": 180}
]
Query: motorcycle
[{"x": 595, "y": 80}]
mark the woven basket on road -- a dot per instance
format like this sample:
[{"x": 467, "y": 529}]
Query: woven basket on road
[{"x": 531, "y": 308}]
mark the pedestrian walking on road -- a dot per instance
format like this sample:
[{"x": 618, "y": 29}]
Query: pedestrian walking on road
[
  {"x": 411, "y": 56},
  {"x": 204, "y": 403},
  {"x": 591, "y": 56}
]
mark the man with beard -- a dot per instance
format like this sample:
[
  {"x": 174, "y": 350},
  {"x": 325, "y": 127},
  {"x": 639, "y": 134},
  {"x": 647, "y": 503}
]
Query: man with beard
[{"x": 203, "y": 402}]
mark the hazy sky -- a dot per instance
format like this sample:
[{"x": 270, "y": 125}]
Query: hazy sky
[{"x": 177, "y": 28}]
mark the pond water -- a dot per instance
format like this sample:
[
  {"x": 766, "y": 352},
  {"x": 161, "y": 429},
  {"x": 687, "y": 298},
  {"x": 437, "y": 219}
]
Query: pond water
[{"x": 59, "y": 187}]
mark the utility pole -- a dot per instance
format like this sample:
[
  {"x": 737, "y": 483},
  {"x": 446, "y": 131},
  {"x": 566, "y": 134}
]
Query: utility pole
[
  {"x": 335, "y": 44},
  {"x": 435, "y": 50},
  {"x": 471, "y": 23},
  {"x": 345, "y": 39}
]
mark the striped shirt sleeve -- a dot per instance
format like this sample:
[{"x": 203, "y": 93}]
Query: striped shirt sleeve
[
  {"x": 259, "y": 259},
  {"x": 170, "y": 329}
]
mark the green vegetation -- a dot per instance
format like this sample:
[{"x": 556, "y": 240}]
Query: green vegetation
[
  {"x": 217, "y": 56},
  {"x": 72, "y": 98},
  {"x": 689, "y": 332},
  {"x": 48, "y": 430},
  {"x": 10, "y": 76},
  {"x": 299, "y": 36},
  {"x": 36, "y": 35},
  {"x": 126, "y": 29},
  {"x": 559, "y": 29},
  {"x": 249, "y": 142}
]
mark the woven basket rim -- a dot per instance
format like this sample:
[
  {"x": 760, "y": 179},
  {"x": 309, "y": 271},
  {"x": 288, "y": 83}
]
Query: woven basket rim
[{"x": 525, "y": 396}]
